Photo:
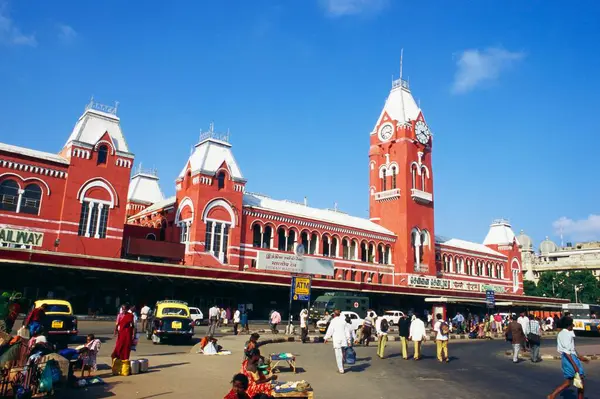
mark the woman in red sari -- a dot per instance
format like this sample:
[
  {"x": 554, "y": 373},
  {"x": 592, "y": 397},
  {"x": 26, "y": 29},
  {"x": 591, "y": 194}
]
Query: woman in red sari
[
  {"x": 257, "y": 381},
  {"x": 125, "y": 337}
]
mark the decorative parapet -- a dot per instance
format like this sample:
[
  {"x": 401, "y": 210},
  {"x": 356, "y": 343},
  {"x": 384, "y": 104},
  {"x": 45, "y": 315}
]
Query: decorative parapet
[
  {"x": 388, "y": 195},
  {"x": 421, "y": 196},
  {"x": 107, "y": 109}
]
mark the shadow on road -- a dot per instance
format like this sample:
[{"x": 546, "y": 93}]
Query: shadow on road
[
  {"x": 93, "y": 392},
  {"x": 167, "y": 365}
]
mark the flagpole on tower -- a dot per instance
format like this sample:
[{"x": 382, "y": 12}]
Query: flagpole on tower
[{"x": 401, "y": 56}]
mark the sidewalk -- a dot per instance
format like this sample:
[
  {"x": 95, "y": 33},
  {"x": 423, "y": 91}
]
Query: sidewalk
[{"x": 548, "y": 352}]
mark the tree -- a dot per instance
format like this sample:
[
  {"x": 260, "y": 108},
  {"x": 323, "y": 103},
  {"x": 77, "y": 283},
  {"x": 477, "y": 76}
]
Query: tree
[
  {"x": 562, "y": 285},
  {"x": 530, "y": 288}
]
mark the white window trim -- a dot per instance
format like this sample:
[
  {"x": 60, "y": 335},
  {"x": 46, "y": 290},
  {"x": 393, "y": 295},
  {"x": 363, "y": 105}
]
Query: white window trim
[{"x": 90, "y": 204}]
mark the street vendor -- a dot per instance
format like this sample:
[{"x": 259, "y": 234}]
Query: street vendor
[{"x": 257, "y": 382}]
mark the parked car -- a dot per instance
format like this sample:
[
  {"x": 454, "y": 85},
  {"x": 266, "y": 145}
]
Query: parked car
[
  {"x": 170, "y": 320},
  {"x": 60, "y": 323},
  {"x": 323, "y": 324},
  {"x": 392, "y": 316},
  {"x": 196, "y": 315}
]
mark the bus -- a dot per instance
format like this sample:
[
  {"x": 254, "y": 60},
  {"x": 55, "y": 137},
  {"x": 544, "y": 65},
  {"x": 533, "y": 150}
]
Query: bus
[
  {"x": 338, "y": 300},
  {"x": 585, "y": 317}
]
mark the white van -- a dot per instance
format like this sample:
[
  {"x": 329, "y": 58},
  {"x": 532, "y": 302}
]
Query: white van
[{"x": 196, "y": 315}]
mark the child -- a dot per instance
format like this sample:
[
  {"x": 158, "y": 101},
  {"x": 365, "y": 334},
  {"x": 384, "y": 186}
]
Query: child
[{"x": 89, "y": 351}]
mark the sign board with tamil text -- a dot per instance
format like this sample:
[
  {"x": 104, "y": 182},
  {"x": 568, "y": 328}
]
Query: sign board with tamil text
[
  {"x": 292, "y": 263},
  {"x": 490, "y": 298},
  {"x": 300, "y": 289},
  {"x": 21, "y": 237}
]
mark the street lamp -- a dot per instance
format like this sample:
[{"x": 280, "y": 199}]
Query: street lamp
[{"x": 577, "y": 288}]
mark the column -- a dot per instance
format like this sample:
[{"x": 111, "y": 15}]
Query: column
[
  {"x": 21, "y": 191},
  {"x": 213, "y": 228},
  {"x": 417, "y": 250},
  {"x": 97, "y": 233},
  {"x": 287, "y": 236},
  {"x": 221, "y": 257},
  {"x": 89, "y": 219}
]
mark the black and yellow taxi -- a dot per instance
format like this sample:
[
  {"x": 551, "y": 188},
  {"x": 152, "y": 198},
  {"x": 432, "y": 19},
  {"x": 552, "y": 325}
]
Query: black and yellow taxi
[
  {"x": 171, "y": 321},
  {"x": 60, "y": 324}
]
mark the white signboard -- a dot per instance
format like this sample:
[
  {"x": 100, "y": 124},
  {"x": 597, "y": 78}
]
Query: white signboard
[
  {"x": 291, "y": 263},
  {"x": 440, "y": 283},
  {"x": 21, "y": 237}
]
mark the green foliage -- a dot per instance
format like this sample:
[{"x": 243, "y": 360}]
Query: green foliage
[
  {"x": 530, "y": 288},
  {"x": 562, "y": 285}
]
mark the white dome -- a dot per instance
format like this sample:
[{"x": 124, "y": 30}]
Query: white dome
[
  {"x": 525, "y": 241},
  {"x": 548, "y": 246}
]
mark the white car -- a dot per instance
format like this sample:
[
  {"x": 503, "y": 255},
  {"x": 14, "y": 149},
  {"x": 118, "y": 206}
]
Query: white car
[
  {"x": 392, "y": 316},
  {"x": 196, "y": 315},
  {"x": 354, "y": 318}
]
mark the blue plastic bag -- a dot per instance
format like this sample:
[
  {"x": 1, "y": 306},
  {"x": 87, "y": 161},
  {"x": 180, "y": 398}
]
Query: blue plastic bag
[
  {"x": 350, "y": 355},
  {"x": 46, "y": 379}
]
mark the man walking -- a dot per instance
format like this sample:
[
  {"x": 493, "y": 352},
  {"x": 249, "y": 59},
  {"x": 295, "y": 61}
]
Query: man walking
[
  {"x": 404, "y": 332},
  {"x": 304, "y": 325},
  {"x": 515, "y": 331},
  {"x": 275, "y": 320},
  {"x": 534, "y": 338},
  {"x": 417, "y": 334},
  {"x": 570, "y": 364},
  {"x": 144, "y": 313},
  {"x": 442, "y": 330},
  {"x": 213, "y": 319},
  {"x": 382, "y": 336},
  {"x": 236, "y": 321},
  {"x": 340, "y": 337}
]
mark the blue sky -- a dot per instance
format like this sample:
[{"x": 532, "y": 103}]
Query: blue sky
[{"x": 509, "y": 91}]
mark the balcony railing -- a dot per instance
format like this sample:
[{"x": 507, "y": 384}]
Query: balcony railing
[
  {"x": 388, "y": 194},
  {"x": 421, "y": 196}
]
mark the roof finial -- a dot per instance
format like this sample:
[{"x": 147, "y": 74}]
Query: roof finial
[
  {"x": 116, "y": 106},
  {"x": 401, "y": 56},
  {"x": 139, "y": 169},
  {"x": 335, "y": 206},
  {"x": 212, "y": 126}
]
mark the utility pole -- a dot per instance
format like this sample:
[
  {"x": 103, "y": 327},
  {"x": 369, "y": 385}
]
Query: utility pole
[{"x": 577, "y": 288}]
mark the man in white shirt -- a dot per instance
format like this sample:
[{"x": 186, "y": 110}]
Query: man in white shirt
[
  {"x": 340, "y": 337},
  {"x": 236, "y": 321},
  {"x": 571, "y": 366},
  {"x": 523, "y": 320},
  {"x": 417, "y": 334},
  {"x": 304, "y": 325},
  {"x": 213, "y": 319},
  {"x": 441, "y": 339},
  {"x": 144, "y": 312}
]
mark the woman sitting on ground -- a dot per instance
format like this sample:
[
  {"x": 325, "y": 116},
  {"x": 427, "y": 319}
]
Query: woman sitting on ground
[
  {"x": 239, "y": 387},
  {"x": 257, "y": 381}
]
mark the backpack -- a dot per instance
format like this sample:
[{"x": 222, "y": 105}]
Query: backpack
[
  {"x": 384, "y": 325},
  {"x": 444, "y": 328}
]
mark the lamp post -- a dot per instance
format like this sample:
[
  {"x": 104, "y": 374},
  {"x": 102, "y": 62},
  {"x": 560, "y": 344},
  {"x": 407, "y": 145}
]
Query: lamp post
[{"x": 577, "y": 288}]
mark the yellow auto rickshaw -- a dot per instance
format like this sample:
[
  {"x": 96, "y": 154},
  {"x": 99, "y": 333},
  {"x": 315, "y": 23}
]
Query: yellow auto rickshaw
[{"x": 60, "y": 324}]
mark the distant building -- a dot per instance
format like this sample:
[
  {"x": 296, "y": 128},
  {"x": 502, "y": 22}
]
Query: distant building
[{"x": 551, "y": 257}]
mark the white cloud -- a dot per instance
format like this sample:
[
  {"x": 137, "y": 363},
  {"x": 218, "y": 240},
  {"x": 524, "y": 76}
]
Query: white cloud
[
  {"x": 66, "y": 33},
  {"x": 579, "y": 230},
  {"x": 10, "y": 34},
  {"x": 339, "y": 8},
  {"x": 476, "y": 67}
]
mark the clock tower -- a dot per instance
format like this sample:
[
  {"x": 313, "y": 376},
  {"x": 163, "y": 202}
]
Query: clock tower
[{"x": 401, "y": 181}]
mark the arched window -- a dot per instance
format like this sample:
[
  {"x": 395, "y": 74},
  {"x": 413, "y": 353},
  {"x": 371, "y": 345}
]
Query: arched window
[
  {"x": 423, "y": 179},
  {"x": 353, "y": 249},
  {"x": 9, "y": 195},
  {"x": 334, "y": 246},
  {"x": 393, "y": 177},
  {"x": 383, "y": 180},
  {"x": 345, "y": 249},
  {"x": 314, "y": 240},
  {"x": 93, "y": 220},
  {"x": 217, "y": 238},
  {"x": 304, "y": 240},
  {"x": 256, "y": 236},
  {"x": 151, "y": 236},
  {"x": 267, "y": 237},
  {"x": 30, "y": 199},
  {"x": 371, "y": 253},
  {"x": 221, "y": 180},
  {"x": 363, "y": 251},
  {"x": 188, "y": 179},
  {"x": 380, "y": 258},
  {"x": 413, "y": 171},
  {"x": 479, "y": 268},
  {"x": 489, "y": 270},
  {"x": 326, "y": 246},
  {"x": 387, "y": 255},
  {"x": 291, "y": 240},
  {"x": 102, "y": 154},
  {"x": 281, "y": 239}
]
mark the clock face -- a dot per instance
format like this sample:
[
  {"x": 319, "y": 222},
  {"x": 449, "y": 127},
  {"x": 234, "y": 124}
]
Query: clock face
[
  {"x": 422, "y": 132},
  {"x": 385, "y": 132}
]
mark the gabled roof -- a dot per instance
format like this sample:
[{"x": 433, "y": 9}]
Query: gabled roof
[
  {"x": 209, "y": 155},
  {"x": 167, "y": 202},
  {"x": 96, "y": 120},
  {"x": 303, "y": 211},
  {"x": 144, "y": 188},
  {"x": 46, "y": 156},
  {"x": 400, "y": 104},
  {"x": 467, "y": 245}
]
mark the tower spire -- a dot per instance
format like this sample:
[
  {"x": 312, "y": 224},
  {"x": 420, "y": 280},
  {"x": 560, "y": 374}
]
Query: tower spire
[{"x": 401, "y": 56}]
